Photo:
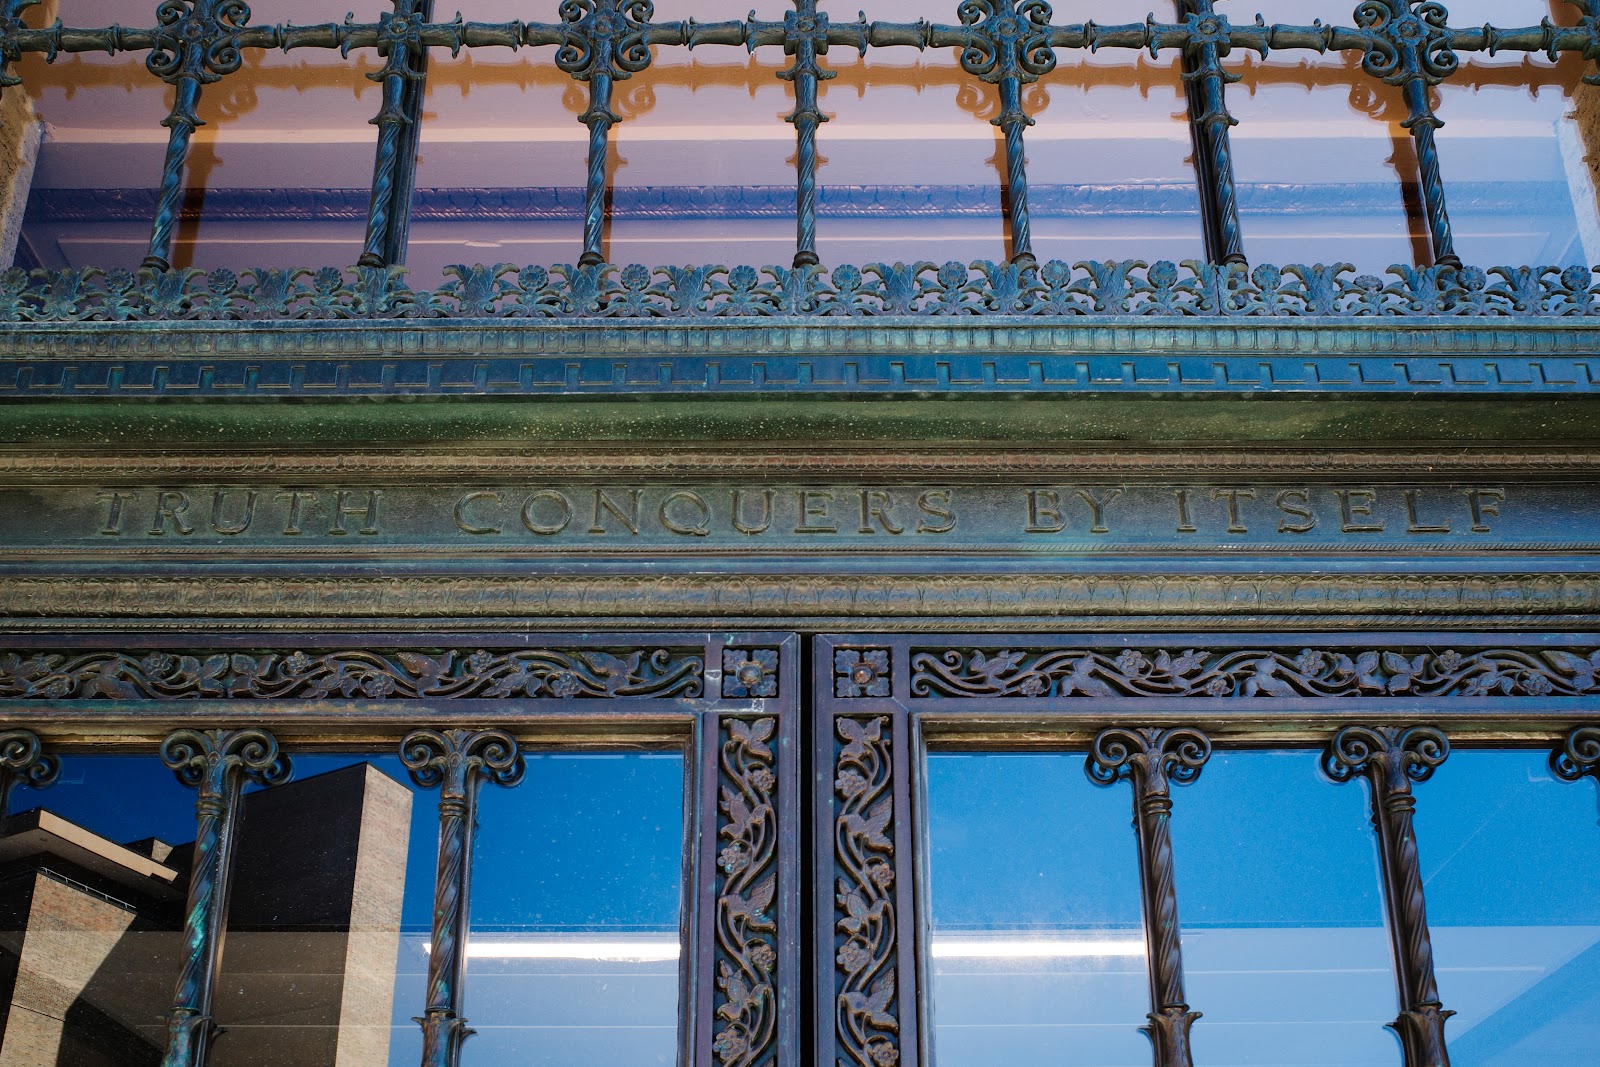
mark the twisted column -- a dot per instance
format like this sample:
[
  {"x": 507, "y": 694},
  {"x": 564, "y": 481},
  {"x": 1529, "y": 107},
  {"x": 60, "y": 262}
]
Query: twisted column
[
  {"x": 1391, "y": 758},
  {"x": 215, "y": 763},
  {"x": 1153, "y": 759},
  {"x": 23, "y": 761},
  {"x": 457, "y": 762}
]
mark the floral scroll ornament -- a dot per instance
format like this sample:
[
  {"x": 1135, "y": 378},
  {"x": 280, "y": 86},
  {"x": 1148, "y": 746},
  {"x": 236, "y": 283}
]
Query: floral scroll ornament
[
  {"x": 750, "y": 672},
  {"x": 867, "y": 1010},
  {"x": 861, "y": 672},
  {"x": 746, "y": 931}
]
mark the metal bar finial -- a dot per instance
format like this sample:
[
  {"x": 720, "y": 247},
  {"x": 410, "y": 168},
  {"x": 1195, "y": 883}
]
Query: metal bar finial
[
  {"x": 23, "y": 761},
  {"x": 1154, "y": 759},
  {"x": 457, "y": 762},
  {"x": 1391, "y": 758},
  {"x": 215, "y": 763}
]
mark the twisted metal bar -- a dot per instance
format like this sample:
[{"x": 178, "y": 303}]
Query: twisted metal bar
[
  {"x": 400, "y": 44},
  {"x": 806, "y": 36},
  {"x": 1204, "y": 80},
  {"x": 1410, "y": 46},
  {"x": 215, "y": 763},
  {"x": 1391, "y": 759},
  {"x": 457, "y": 762},
  {"x": 608, "y": 41},
  {"x": 196, "y": 43},
  {"x": 1154, "y": 759},
  {"x": 23, "y": 761},
  {"x": 1008, "y": 44}
]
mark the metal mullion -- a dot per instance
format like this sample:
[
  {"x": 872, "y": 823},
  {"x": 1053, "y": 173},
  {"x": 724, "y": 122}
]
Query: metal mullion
[
  {"x": 216, "y": 763},
  {"x": 1153, "y": 759},
  {"x": 1391, "y": 759},
  {"x": 405, "y": 183},
  {"x": 458, "y": 762},
  {"x": 1205, "y": 81},
  {"x": 395, "y": 164}
]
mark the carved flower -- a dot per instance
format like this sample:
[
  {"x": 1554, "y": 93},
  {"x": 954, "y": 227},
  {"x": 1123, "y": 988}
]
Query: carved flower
[
  {"x": 1449, "y": 660},
  {"x": 853, "y": 956},
  {"x": 377, "y": 685},
  {"x": 565, "y": 683},
  {"x": 58, "y": 686},
  {"x": 156, "y": 663},
  {"x": 1130, "y": 660},
  {"x": 881, "y": 875},
  {"x": 480, "y": 661},
  {"x": 1207, "y": 29},
  {"x": 953, "y": 274},
  {"x": 846, "y": 278},
  {"x": 750, "y": 672},
  {"x": 636, "y": 276},
  {"x": 883, "y": 1054},
  {"x": 1536, "y": 685},
  {"x": 730, "y": 1044},
  {"x": 762, "y": 955},
  {"x": 863, "y": 673},
  {"x": 1219, "y": 687},
  {"x": 1309, "y": 661},
  {"x": 743, "y": 277},
  {"x": 850, "y": 784},
  {"x": 222, "y": 280},
  {"x": 1162, "y": 274},
  {"x": 762, "y": 781},
  {"x": 297, "y": 663},
  {"x": 533, "y": 277},
  {"x": 1033, "y": 685},
  {"x": 733, "y": 858},
  {"x": 328, "y": 279}
]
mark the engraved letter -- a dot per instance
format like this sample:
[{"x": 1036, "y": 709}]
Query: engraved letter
[
  {"x": 1185, "y": 524},
  {"x": 342, "y": 508},
  {"x": 814, "y": 512},
  {"x": 1235, "y": 523},
  {"x": 1044, "y": 512},
  {"x": 764, "y": 523},
  {"x": 291, "y": 526},
  {"x": 1357, "y": 504},
  {"x": 875, "y": 504},
  {"x": 935, "y": 504},
  {"x": 171, "y": 506},
  {"x": 546, "y": 527},
  {"x": 1484, "y": 502},
  {"x": 462, "y": 522},
  {"x": 113, "y": 526},
  {"x": 629, "y": 518},
  {"x": 1414, "y": 526},
  {"x": 1295, "y": 503},
  {"x": 230, "y": 530},
  {"x": 698, "y": 527},
  {"x": 1097, "y": 507}
]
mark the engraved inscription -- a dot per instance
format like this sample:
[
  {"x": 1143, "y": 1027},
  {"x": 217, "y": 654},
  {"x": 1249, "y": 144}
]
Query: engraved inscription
[{"x": 829, "y": 518}]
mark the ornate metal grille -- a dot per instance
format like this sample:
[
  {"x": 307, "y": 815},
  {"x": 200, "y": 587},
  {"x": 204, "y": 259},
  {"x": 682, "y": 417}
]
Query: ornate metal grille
[{"x": 1408, "y": 44}]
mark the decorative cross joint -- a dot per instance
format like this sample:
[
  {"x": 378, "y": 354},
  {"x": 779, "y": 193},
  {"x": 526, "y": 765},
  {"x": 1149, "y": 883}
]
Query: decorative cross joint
[
  {"x": 1007, "y": 39},
  {"x": 1408, "y": 43},
  {"x": 604, "y": 38}
]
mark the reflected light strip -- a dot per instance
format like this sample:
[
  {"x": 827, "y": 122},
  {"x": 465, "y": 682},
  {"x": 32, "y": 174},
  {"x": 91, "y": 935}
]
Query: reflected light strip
[
  {"x": 972, "y": 948},
  {"x": 615, "y": 951}
]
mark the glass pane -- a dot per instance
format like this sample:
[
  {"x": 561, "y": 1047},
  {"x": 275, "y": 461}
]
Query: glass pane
[
  {"x": 1037, "y": 951},
  {"x": 93, "y": 875},
  {"x": 334, "y": 874},
  {"x": 1284, "y": 967},
  {"x": 1511, "y": 868},
  {"x": 576, "y": 899}
]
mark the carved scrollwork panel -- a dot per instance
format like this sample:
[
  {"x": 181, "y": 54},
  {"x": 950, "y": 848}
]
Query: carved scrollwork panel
[
  {"x": 355, "y": 673},
  {"x": 1244, "y": 672}
]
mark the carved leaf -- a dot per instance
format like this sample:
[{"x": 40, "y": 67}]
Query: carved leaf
[
  {"x": 873, "y": 1006},
  {"x": 870, "y": 829},
  {"x": 753, "y": 736}
]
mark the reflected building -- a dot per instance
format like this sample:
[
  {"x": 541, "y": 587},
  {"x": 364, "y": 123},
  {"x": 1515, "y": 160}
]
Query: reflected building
[{"x": 91, "y": 935}]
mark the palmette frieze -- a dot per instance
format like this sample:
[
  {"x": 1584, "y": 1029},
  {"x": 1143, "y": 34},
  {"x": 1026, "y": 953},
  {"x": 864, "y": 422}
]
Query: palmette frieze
[{"x": 373, "y": 675}]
